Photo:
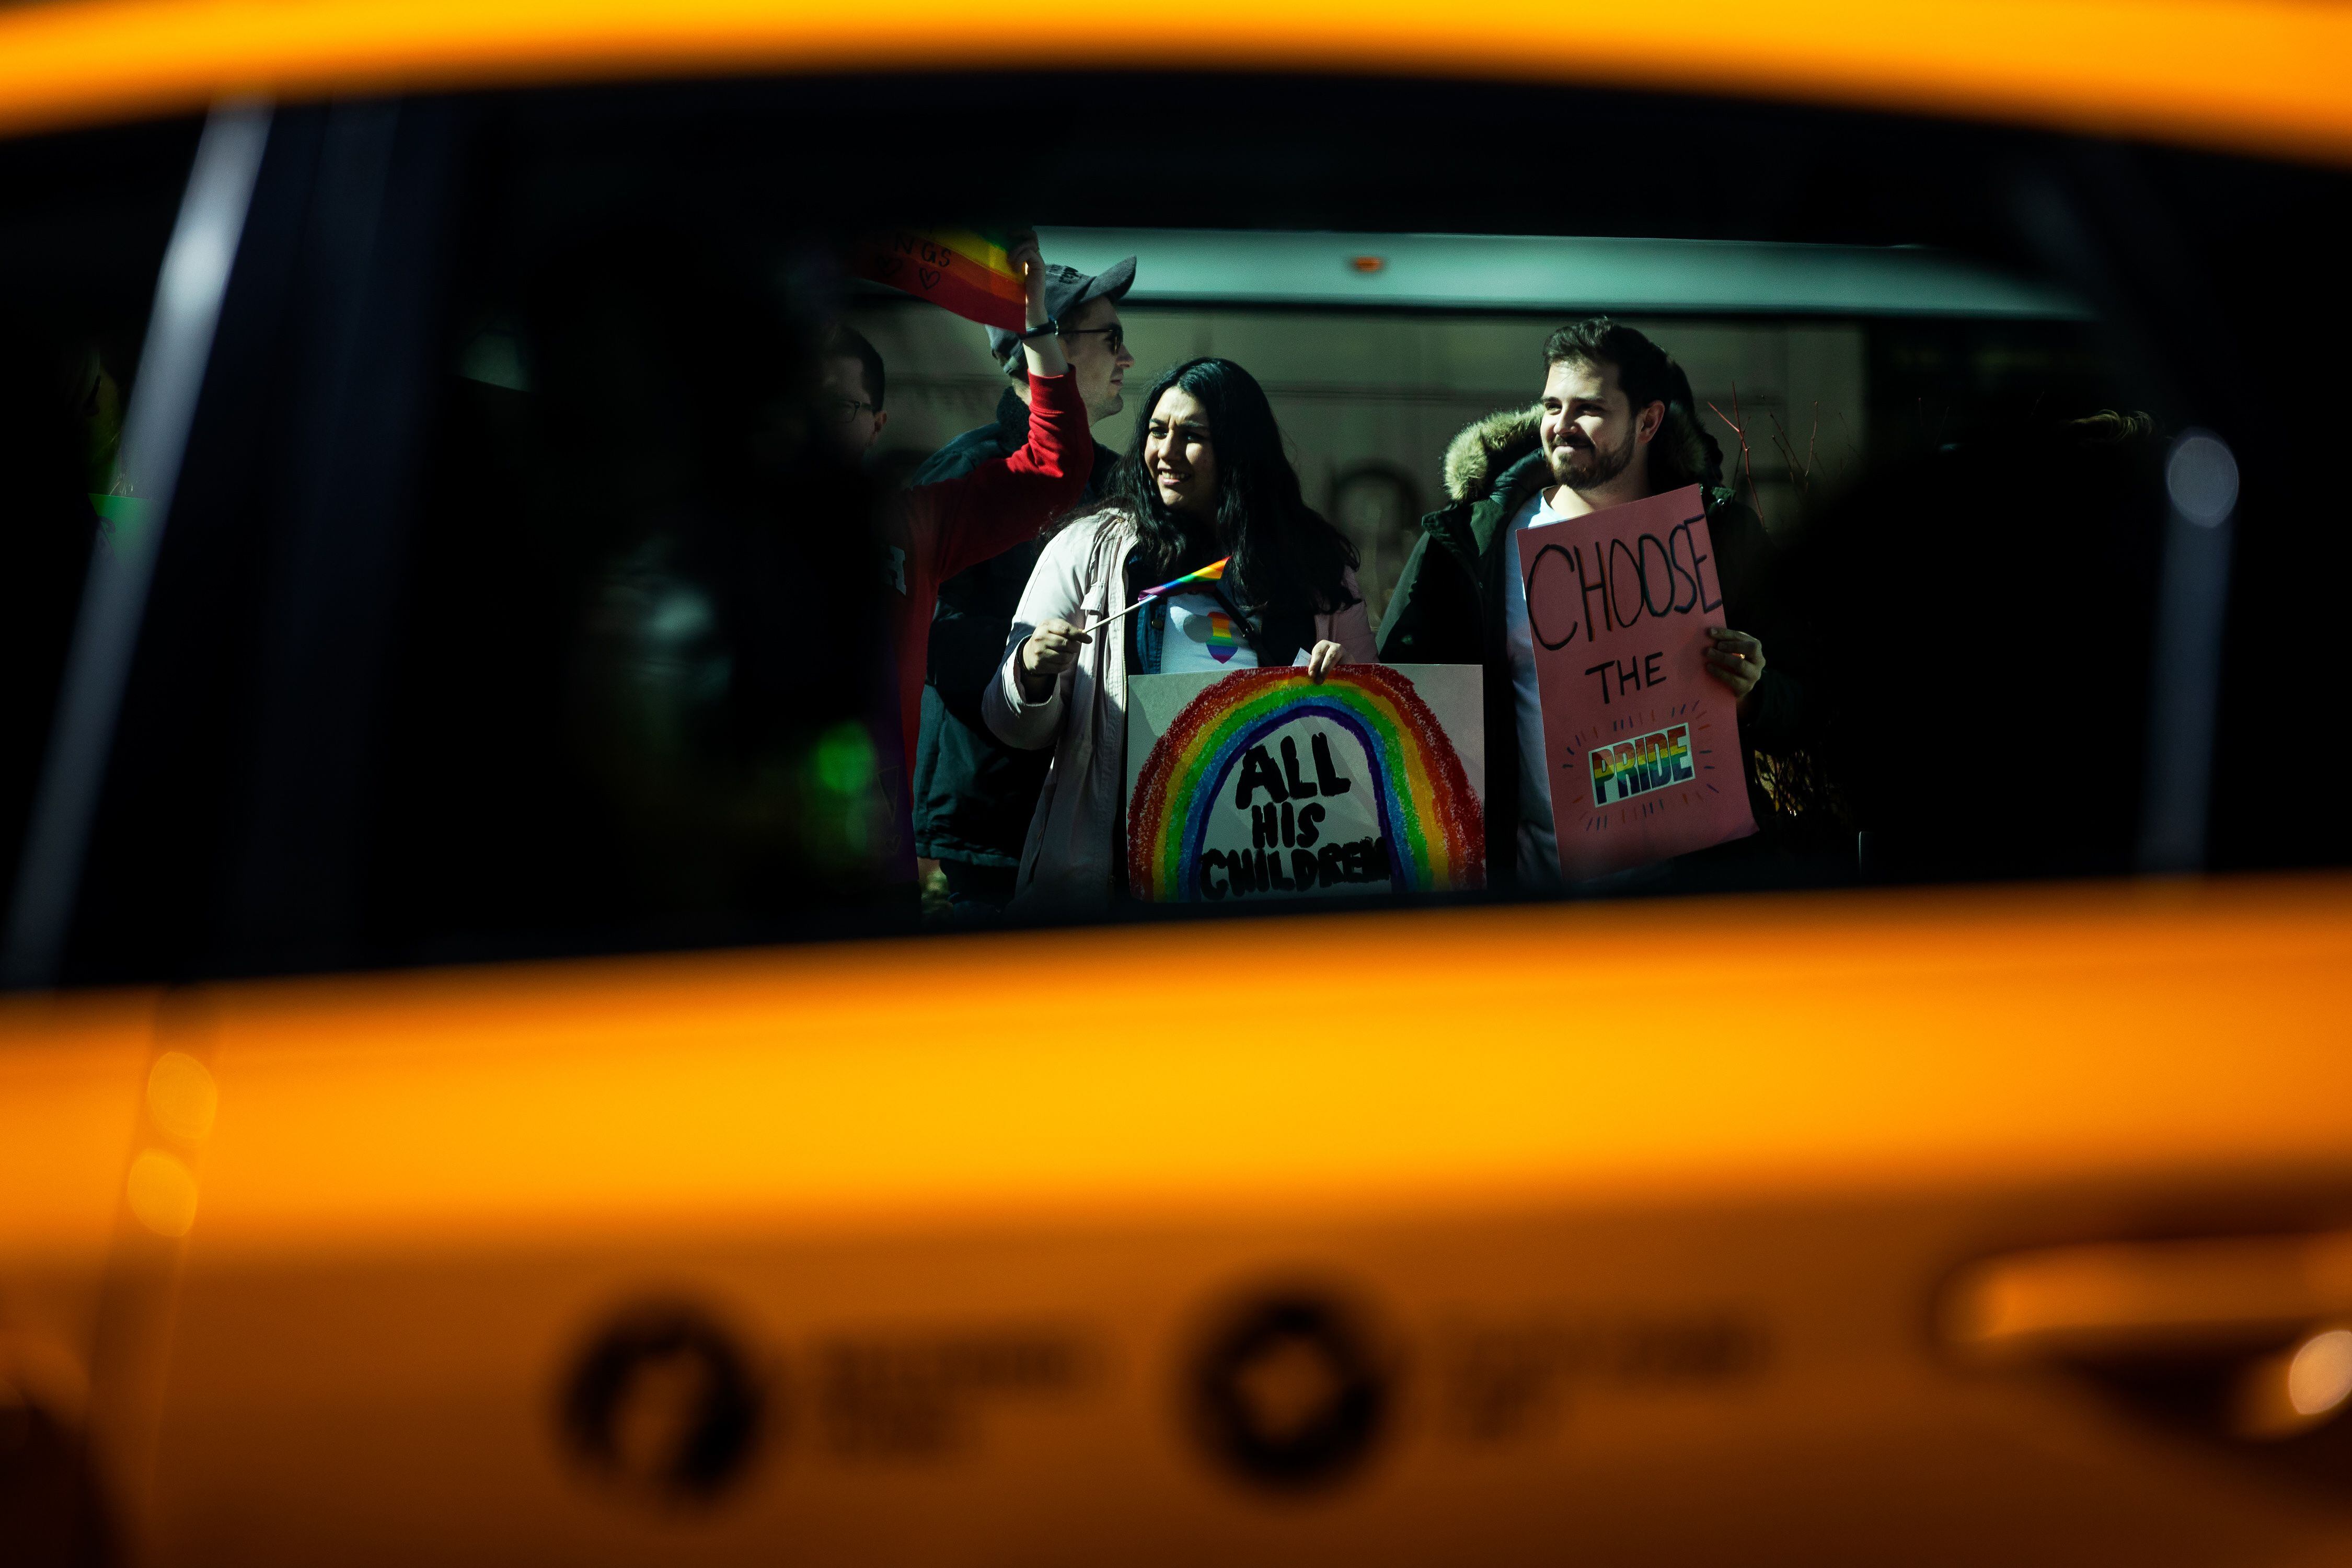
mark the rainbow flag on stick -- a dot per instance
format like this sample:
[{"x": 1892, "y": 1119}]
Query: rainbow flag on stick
[
  {"x": 960, "y": 269},
  {"x": 1209, "y": 574}
]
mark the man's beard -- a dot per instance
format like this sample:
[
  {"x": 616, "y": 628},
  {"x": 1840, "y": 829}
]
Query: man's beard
[{"x": 1605, "y": 466}]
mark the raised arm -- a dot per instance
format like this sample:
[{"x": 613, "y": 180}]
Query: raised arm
[
  {"x": 1045, "y": 353},
  {"x": 1005, "y": 501}
]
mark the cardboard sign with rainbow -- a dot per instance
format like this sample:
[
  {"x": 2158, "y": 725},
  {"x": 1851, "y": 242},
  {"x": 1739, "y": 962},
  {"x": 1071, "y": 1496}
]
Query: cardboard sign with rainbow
[{"x": 1262, "y": 785}]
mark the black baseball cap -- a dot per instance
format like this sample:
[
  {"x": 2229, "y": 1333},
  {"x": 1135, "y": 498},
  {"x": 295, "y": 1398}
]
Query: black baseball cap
[{"x": 1067, "y": 288}]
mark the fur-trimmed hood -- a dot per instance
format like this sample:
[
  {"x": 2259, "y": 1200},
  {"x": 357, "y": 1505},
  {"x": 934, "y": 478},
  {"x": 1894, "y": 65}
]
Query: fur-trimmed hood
[{"x": 1485, "y": 451}]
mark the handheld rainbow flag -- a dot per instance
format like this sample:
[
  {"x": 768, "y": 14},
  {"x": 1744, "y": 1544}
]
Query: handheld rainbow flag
[
  {"x": 1209, "y": 574},
  {"x": 958, "y": 270}
]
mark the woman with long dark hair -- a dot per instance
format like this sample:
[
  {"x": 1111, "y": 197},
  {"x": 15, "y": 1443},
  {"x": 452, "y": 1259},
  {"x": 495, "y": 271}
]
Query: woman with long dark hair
[{"x": 1207, "y": 479}]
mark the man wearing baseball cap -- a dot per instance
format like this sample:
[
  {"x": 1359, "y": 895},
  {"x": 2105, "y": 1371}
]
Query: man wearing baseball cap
[{"x": 974, "y": 795}]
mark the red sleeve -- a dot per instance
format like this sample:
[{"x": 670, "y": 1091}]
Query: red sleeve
[{"x": 1006, "y": 500}]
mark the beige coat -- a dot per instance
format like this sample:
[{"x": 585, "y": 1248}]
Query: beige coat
[{"x": 1077, "y": 837}]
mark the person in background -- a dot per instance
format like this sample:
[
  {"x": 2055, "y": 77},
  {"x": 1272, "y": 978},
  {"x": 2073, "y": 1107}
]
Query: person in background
[
  {"x": 850, "y": 387},
  {"x": 1208, "y": 479},
  {"x": 1616, "y": 423},
  {"x": 974, "y": 794}
]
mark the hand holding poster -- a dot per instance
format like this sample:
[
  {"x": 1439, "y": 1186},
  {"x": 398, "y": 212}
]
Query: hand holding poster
[
  {"x": 1265, "y": 783},
  {"x": 1642, "y": 745}
]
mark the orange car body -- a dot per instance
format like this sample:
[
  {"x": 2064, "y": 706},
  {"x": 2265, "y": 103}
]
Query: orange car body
[{"x": 2263, "y": 77}]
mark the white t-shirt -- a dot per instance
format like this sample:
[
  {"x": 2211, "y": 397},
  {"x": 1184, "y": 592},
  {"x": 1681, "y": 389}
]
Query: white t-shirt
[
  {"x": 1200, "y": 636},
  {"x": 1538, "y": 856}
]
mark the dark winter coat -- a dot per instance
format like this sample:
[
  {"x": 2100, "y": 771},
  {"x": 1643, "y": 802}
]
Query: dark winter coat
[{"x": 1448, "y": 605}]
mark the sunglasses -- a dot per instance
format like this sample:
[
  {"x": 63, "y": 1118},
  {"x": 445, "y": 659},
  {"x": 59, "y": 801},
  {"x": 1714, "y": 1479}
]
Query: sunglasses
[{"x": 1114, "y": 336}]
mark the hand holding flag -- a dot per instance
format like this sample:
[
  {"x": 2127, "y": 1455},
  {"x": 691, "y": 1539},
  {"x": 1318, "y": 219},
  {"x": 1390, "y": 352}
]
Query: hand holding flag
[
  {"x": 1049, "y": 650},
  {"x": 1054, "y": 646},
  {"x": 1028, "y": 264},
  {"x": 1044, "y": 354}
]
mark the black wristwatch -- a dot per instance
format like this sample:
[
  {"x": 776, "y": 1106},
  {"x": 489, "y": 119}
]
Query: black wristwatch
[{"x": 1052, "y": 328}]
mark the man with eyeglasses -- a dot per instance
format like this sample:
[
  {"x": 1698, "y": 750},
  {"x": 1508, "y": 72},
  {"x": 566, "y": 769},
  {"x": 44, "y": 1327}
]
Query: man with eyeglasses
[
  {"x": 850, "y": 389},
  {"x": 973, "y": 795}
]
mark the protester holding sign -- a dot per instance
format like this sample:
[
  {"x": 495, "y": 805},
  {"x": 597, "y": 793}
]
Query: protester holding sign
[
  {"x": 1207, "y": 506},
  {"x": 1617, "y": 424},
  {"x": 1269, "y": 784}
]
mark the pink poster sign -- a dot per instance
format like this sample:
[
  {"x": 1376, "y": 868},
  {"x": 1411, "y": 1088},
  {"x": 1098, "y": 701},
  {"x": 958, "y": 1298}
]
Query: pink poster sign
[{"x": 1640, "y": 743}]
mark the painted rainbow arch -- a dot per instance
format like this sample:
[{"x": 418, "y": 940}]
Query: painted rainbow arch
[{"x": 1427, "y": 810}]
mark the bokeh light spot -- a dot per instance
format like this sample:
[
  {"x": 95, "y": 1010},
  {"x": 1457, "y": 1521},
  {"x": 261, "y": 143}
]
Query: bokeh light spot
[
  {"x": 2319, "y": 1378},
  {"x": 182, "y": 1096},
  {"x": 844, "y": 759},
  {"x": 162, "y": 1192}
]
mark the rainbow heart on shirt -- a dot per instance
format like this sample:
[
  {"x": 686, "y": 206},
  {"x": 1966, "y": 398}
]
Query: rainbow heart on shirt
[{"x": 1222, "y": 641}]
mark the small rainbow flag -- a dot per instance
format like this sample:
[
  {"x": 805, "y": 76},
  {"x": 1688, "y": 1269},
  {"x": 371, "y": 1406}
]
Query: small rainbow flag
[
  {"x": 1209, "y": 574},
  {"x": 960, "y": 269}
]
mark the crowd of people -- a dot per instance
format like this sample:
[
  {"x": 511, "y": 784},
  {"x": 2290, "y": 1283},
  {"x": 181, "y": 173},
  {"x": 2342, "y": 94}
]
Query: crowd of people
[
  {"x": 629, "y": 538},
  {"x": 647, "y": 678},
  {"x": 1016, "y": 541}
]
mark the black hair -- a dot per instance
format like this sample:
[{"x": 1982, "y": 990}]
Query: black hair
[
  {"x": 846, "y": 342},
  {"x": 1682, "y": 453},
  {"x": 1288, "y": 562}
]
